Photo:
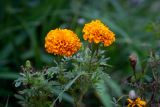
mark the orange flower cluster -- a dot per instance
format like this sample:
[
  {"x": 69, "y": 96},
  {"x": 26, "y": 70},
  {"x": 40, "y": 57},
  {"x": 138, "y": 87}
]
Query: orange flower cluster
[
  {"x": 62, "y": 42},
  {"x": 136, "y": 103},
  {"x": 65, "y": 42},
  {"x": 96, "y": 32}
]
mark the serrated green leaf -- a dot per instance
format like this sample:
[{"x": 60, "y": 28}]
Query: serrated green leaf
[
  {"x": 114, "y": 86},
  {"x": 67, "y": 87},
  {"x": 104, "y": 96},
  {"x": 18, "y": 83}
]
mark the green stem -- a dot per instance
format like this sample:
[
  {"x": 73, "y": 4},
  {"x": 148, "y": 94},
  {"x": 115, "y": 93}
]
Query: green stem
[
  {"x": 154, "y": 76},
  {"x": 134, "y": 73},
  {"x": 78, "y": 104},
  {"x": 121, "y": 97},
  {"x": 92, "y": 54},
  {"x": 79, "y": 100}
]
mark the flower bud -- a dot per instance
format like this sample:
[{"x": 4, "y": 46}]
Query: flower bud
[
  {"x": 132, "y": 94},
  {"x": 133, "y": 60},
  {"x": 28, "y": 64}
]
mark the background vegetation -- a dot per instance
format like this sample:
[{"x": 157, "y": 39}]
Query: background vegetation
[{"x": 25, "y": 23}]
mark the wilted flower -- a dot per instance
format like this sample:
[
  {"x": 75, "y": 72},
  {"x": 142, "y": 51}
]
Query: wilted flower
[
  {"x": 62, "y": 42},
  {"x": 136, "y": 103},
  {"x": 97, "y": 32}
]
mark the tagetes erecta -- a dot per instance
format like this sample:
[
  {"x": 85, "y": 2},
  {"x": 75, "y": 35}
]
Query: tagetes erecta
[
  {"x": 62, "y": 42},
  {"x": 97, "y": 32},
  {"x": 136, "y": 103}
]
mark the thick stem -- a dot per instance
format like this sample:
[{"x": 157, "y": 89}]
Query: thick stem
[
  {"x": 78, "y": 104},
  {"x": 78, "y": 101}
]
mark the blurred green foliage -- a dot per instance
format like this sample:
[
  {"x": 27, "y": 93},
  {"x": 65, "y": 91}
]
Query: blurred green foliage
[{"x": 24, "y": 24}]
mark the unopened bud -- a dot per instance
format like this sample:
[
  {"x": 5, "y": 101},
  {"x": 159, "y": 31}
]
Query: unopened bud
[
  {"x": 28, "y": 64},
  {"x": 132, "y": 94},
  {"x": 81, "y": 21},
  {"x": 133, "y": 60}
]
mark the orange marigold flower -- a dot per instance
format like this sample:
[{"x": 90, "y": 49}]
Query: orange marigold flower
[
  {"x": 62, "y": 42},
  {"x": 136, "y": 103},
  {"x": 97, "y": 32}
]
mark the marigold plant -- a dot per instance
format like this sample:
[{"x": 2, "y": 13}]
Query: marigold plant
[
  {"x": 71, "y": 75},
  {"x": 62, "y": 42},
  {"x": 97, "y": 32}
]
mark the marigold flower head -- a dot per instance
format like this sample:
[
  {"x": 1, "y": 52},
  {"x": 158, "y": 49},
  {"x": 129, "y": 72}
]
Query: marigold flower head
[
  {"x": 62, "y": 42},
  {"x": 97, "y": 32},
  {"x": 136, "y": 103}
]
